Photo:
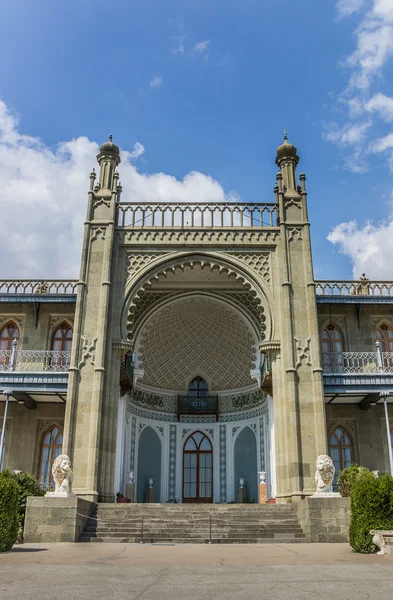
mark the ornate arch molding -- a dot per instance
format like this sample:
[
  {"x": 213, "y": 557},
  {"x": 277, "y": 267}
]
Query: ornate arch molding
[{"x": 138, "y": 285}]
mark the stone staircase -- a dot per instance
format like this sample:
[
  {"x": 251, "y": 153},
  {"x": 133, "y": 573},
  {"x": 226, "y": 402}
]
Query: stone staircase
[{"x": 192, "y": 523}]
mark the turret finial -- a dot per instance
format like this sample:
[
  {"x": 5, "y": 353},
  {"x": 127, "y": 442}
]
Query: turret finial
[
  {"x": 110, "y": 137},
  {"x": 285, "y": 135}
]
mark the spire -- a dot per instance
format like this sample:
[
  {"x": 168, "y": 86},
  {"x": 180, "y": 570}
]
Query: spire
[
  {"x": 287, "y": 160},
  {"x": 108, "y": 159}
]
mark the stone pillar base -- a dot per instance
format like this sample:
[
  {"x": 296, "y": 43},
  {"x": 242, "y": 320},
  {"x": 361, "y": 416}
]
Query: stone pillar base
[
  {"x": 262, "y": 493},
  {"x": 324, "y": 520},
  {"x": 130, "y": 492},
  {"x": 150, "y": 495},
  {"x": 241, "y": 496},
  {"x": 55, "y": 519}
]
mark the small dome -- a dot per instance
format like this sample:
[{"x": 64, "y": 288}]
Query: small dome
[
  {"x": 286, "y": 149},
  {"x": 109, "y": 146}
]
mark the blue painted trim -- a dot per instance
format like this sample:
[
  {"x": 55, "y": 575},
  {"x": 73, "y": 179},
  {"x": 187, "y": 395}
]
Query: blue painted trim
[
  {"x": 44, "y": 299},
  {"x": 36, "y": 382},
  {"x": 354, "y": 299}
]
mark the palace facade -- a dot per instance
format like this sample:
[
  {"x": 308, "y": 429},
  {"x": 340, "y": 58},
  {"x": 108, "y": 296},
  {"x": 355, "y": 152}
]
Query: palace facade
[{"x": 196, "y": 349}]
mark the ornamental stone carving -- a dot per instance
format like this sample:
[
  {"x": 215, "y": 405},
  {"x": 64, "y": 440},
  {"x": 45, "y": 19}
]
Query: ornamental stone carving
[
  {"x": 88, "y": 351},
  {"x": 324, "y": 475},
  {"x": 136, "y": 262},
  {"x": 258, "y": 262},
  {"x": 144, "y": 236},
  {"x": 62, "y": 476}
]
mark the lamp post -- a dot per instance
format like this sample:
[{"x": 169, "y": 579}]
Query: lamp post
[
  {"x": 385, "y": 395},
  {"x": 7, "y": 393}
]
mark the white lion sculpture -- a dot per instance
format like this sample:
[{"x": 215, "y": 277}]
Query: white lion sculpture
[
  {"x": 324, "y": 475},
  {"x": 62, "y": 475}
]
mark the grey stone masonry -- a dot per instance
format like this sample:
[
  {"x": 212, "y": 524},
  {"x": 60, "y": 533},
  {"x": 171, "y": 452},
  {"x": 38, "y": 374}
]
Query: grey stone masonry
[
  {"x": 56, "y": 519},
  {"x": 324, "y": 520}
]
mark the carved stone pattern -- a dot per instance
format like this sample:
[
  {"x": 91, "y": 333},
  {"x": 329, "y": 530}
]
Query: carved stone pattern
[
  {"x": 262, "y": 443},
  {"x": 243, "y": 416},
  {"x": 294, "y": 234},
  {"x": 226, "y": 357},
  {"x": 172, "y": 462},
  {"x": 88, "y": 351},
  {"x": 247, "y": 400},
  {"x": 98, "y": 232},
  {"x": 147, "y": 300},
  {"x": 303, "y": 352},
  {"x": 44, "y": 424},
  {"x": 235, "y": 430},
  {"x": 223, "y": 463},
  {"x": 258, "y": 261},
  {"x": 149, "y": 414},
  {"x": 197, "y": 419},
  {"x": 153, "y": 401},
  {"x": 145, "y": 236},
  {"x": 132, "y": 444},
  {"x": 98, "y": 201},
  {"x": 246, "y": 300},
  {"x": 136, "y": 262}
]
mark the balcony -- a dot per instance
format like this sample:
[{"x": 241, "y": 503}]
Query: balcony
[
  {"x": 178, "y": 215},
  {"x": 194, "y": 405},
  {"x": 354, "y": 373},
  {"x": 35, "y": 361},
  {"x": 360, "y": 291}
]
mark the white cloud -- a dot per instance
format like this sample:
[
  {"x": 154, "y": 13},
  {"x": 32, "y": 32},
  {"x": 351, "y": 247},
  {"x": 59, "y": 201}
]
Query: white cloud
[
  {"x": 137, "y": 151},
  {"x": 382, "y": 144},
  {"x": 201, "y": 46},
  {"x": 370, "y": 248},
  {"x": 155, "y": 82},
  {"x": 348, "y": 7},
  {"x": 350, "y": 134},
  {"x": 381, "y": 104},
  {"x": 44, "y": 197}
]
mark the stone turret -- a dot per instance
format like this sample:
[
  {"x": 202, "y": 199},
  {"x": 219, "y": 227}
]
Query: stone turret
[
  {"x": 108, "y": 159},
  {"x": 287, "y": 160}
]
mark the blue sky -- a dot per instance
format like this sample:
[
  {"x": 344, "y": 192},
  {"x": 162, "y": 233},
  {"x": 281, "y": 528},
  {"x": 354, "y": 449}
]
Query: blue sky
[{"x": 204, "y": 87}]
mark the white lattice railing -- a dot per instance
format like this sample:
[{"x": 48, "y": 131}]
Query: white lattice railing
[
  {"x": 38, "y": 286},
  {"x": 365, "y": 363},
  {"x": 360, "y": 287},
  {"x": 197, "y": 214},
  {"x": 35, "y": 361}
]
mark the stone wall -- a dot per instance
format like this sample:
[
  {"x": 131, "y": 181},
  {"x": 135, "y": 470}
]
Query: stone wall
[
  {"x": 25, "y": 429},
  {"x": 367, "y": 429},
  {"x": 324, "y": 520},
  {"x": 51, "y": 519}
]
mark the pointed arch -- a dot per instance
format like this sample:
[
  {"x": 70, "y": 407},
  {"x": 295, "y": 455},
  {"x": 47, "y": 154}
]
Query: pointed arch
[
  {"x": 198, "y": 388},
  {"x": 332, "y": 339},
  {"x": 197, "y": 468},
  {"x": 51, "y": 445},
  {"x": 9, "y": 332},
  {"x": 61, "y": 345},
  {"x": 385, "y": 337},
  {"x": 341, "y": 449}
]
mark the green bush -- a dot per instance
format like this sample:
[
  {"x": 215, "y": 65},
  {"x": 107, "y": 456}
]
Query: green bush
[
  {"x": 28, "y": 486},
  {"x": 9, "y": 515},
  {"x": 371, "y": 508},
  {"x": 347, "y": 478}
]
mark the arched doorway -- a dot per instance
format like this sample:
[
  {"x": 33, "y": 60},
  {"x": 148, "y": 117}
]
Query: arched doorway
[
  {"x": 198, "y": 469},
  {"x": 245, "y": 463},
  {"x": 149, "y": 464}
]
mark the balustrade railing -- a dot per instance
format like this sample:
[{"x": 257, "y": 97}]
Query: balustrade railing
[
  {"x": 197, "y": 214},
  {"x": 365, "y": 363},
  {"x": 360, "y": 287},
  {"x": 38, "y": 286},
  {"x": 197, "y": 405},
  {"x": 35, "y": 361}
]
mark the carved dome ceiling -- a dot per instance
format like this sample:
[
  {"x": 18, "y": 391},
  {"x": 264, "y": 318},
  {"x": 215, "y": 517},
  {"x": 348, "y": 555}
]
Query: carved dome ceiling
[{"x": 192, "y": 336}]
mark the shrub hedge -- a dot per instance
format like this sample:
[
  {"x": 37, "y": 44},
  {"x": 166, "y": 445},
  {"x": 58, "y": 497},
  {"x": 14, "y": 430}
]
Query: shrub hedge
[
  {"x": 28, "y": 486},
  {"x": 371, "y": 508},
  {"x": 9, "y": 513},
  {"x": 347, "y": 478}
]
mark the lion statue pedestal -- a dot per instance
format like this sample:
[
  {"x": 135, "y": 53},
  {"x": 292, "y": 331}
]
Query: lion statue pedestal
[
  {"x": 324, "y": 476},
  {"x": 62, "y": 475}
]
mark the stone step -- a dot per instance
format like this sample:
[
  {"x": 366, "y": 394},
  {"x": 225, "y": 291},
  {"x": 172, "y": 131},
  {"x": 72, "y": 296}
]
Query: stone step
[{"x": 136, "y": 540}]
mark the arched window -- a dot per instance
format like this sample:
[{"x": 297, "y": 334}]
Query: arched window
[
  {"x": 340, "y": 450},
  {"x": 385, "y": 338},
  {"x": 197, "y": 469},
  {"x": 8, "y": 334},
  {"x": 61, "y": 343},
  {"x": 332, "y": 339},
  {"x": 332, "y": 349},
  {"x": 51, "y": 445},
  {"x": 198, "y": 388}
]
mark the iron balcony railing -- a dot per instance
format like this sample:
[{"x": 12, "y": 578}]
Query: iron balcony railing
[
  {"x": 35, "y": 361},
  {"x": 354, "y": 363},
  {"x": 197, "y": 214},
  {"x": 194, "y": 405}
]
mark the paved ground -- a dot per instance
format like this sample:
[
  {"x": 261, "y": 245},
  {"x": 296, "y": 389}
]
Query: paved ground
[{"x": 188, "y": 572}]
